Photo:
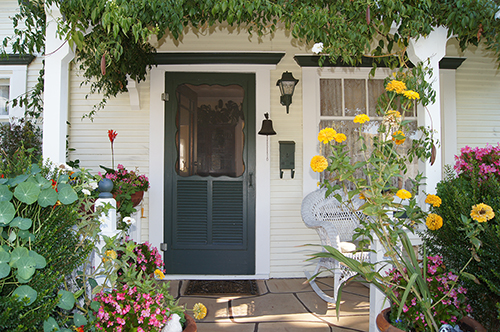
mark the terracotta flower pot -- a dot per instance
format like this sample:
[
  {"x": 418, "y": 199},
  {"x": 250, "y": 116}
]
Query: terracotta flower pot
[
  {"x": 136, "y": 197},
  {"x": 467, "y": 324},
  {"x": 190, "y": 325}
]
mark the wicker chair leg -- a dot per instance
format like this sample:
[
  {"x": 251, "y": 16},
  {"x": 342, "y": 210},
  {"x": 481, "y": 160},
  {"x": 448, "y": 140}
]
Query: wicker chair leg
[{"x": 318, "y": 290}]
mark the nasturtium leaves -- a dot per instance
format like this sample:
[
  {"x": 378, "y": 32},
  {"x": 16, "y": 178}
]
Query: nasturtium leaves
[
  {"x": 27, "y": 292},
  {"x": 50, "y": 325},
  {"x": 4, "y": 270},
  {"x": 79, "y": 319},
  {"x": 5, "y": 193},
  {"x": 4, "y": 256},
  {"x": 43, "y": 182},
  {"x": 67, "y": 194},
  {"x": 26, "y": 235},
  {"x": 17, "y": 253},
  {"x": 7, "y": 213},
  {"x": 21, "y": 280},
  {"x": 66, "y": 300},
  {"x": 26, "y": 267},
  {"x": 18, "y": 179},
  {"x": 3, "y": 181},
  {"x": 39, "y": 259},
  {"x": 35, "y": 169},
  {"x": 48, "y": 197},
  {"x": 21, "y": 223},
  {"x": 12, "y": 236},
  {"x": 63, "y": 178},
  {"x": 94, "y": 305},
  {"x": 27, "y": 192}
]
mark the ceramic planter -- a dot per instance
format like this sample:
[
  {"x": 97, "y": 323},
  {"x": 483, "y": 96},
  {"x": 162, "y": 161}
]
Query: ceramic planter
[
  {"x": 467, "y": 324},
  {"x": 190, "y": 325}
]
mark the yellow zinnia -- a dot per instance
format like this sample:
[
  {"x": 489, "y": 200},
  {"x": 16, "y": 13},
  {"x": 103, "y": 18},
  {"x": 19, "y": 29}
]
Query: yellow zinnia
[
  {"x": 398, "y": 137},
  {"x": 434, "y": 222},
  {"x": 433, "y": 200},
  {"x": 410, "y": 94},
  {"x": 159, "y": 274},
  {"x": 199, "y": 311},
  {"x": 403, "y": 194},
  {"x": 396, "y": 86},
  {"x": 111, "y": 253},
  {"x": 339, "y": 138},
  {"x": 326, "y": 135},
  {"x": 482, "y": 212},
  {"x": 319, "y": 164},
  {"x": 361, "y": 118}
]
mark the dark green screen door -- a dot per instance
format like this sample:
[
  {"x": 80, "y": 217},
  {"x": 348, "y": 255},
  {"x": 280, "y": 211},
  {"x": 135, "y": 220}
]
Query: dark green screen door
[{"x": 209, "y": 173}]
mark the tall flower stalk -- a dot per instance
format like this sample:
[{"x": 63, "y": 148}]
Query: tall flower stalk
[{"x": 112, "y": 135}]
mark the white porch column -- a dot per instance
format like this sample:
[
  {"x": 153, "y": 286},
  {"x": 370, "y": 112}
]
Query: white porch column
[
  {"x": 432, "y": 48},
  {"x": 55, "y": 114}
]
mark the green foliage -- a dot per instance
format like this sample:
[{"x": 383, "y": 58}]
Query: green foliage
[
  {"x": 118, "y": 42},
  {"x": 22, "y": 133},
  {"x": 458, "y": 195}
]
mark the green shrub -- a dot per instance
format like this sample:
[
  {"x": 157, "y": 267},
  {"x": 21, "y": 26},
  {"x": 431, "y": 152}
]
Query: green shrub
[
  {"x": 21, "y": 133},
  {"x": 458, "y": 195}
]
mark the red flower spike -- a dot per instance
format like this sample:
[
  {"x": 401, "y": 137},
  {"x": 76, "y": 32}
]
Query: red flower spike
[{"x": 112, "y": 135}]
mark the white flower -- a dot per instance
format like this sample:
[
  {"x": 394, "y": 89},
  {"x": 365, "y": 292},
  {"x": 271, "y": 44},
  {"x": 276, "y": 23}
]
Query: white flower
[
  {"x": 65, "y": 167},
  {"x": 497, "y": 15},
  {"x": 93, "y": 185},
  {"x": 86, "y": 191},
  {"x": 129, "y": 221},
  {"x": 317, "y": 48}
]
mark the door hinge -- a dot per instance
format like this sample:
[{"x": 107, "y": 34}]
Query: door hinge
[
  {"x": 163, "y": 246},
  {"x": 165, "y": 96}
]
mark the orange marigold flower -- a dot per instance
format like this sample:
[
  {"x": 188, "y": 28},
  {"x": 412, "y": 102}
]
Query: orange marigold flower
[
  {"x": 433, "y": 200},
  {"x": 326, "y": 135},
  {"x": 319, "y": 164},
  {"x": 434, "y": 222},
  {"x": 398, "y": 137},
  {"x": 396, "y": 86}
]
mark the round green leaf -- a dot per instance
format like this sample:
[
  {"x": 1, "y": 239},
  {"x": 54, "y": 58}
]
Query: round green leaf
[
  {"x": 17, "y": 253},
  {"x": 50, "y": 325},
  {"x": 4, "y": 270},
  {"x": 39, "y": 259},
  {"x": 12, "y": 236},
  {"x": 27, "y": 292},
  {"x": 65, "y": 330},
  {"x": 27, "y": 192},
  {"x": 22, "y": 280},
  {"x": 3, "y": 181},
  {"x": 21, "y": 223},
  {"x": 66, "y": 300},
  {"x": 18, "y": 179},
  {"x": 94, "y": 305},
  {"x": 7, "y": 213},
  {"x": 4, "y": 256},
  {"x": 26, "y": 235},
  {"x": 48, "y": 197},
  {"x": 35, "y": 169},
  {"x": 5, "y": 193},
  {"x": 26, "y": 267},
  {"x": 67, "y": 194},
  {"x": 79, "y": 319}
]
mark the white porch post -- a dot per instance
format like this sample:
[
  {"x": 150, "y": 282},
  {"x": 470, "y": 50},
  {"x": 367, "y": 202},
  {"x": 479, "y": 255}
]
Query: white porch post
[
  {"x": 55, "y": 114},
  {"x": 432, "y": 48}
]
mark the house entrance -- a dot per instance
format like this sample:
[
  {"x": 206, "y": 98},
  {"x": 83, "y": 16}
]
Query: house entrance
[{"x": 209, "y": 173}]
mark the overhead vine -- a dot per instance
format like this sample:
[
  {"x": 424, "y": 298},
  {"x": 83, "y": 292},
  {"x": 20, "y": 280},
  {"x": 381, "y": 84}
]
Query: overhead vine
[{"x": 112, "y": 38}]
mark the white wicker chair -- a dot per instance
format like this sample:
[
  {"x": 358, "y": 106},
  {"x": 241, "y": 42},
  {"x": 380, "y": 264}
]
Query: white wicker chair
[{"x": 335, "y": 225}]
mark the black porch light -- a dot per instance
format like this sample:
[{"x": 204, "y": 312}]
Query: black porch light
[{"x": 287, "y": 85}]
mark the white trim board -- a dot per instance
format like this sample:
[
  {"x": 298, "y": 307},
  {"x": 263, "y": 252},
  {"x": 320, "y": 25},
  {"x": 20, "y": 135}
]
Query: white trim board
[{"x": 262, "y": 170}]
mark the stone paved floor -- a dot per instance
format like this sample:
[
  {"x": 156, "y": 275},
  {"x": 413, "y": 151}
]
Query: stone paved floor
[{"x": 282, "y": 305}]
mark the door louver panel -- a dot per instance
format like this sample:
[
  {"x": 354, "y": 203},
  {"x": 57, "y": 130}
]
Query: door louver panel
[
  {"x": 192, "y": 212},
  {"x": 227, "y": 212}
]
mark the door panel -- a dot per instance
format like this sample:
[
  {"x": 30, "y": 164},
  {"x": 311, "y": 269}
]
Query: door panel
[{"x": 209, "y": 160}]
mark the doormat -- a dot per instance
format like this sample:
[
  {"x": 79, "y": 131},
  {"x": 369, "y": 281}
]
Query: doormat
[{"x": 226, "y": 287}]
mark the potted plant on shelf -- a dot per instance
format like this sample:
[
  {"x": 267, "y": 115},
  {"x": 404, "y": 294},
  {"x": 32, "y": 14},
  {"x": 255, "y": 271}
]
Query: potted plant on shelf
[{"x": 390, "y": 211}]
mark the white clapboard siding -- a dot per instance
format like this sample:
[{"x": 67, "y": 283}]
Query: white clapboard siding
[
  {"x": 478, "y": 97},
  {"x": 8, "y": 8}
]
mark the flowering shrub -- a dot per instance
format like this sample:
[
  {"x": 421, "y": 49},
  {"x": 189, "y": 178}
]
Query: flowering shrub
[
  {"x": 147, "y": 259},
  {"x": 449, "y": 300},
  {"x": 479, "y": 163},
  {"x": 127, "y": 308}
]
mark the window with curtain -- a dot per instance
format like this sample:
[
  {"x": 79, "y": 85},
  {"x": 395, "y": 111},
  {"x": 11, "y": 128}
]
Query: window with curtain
[
  {"x": 4, "y": 96},
  {"x": 341, "y": 99}
]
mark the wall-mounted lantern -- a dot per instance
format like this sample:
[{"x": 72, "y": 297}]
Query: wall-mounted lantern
[{"x": 287, "y": 85}]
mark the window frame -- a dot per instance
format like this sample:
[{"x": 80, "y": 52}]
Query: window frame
[{"x": 17, "y": 76}]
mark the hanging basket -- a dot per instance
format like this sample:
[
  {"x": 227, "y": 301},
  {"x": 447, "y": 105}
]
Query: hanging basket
[{"x": 137, "y": 197}]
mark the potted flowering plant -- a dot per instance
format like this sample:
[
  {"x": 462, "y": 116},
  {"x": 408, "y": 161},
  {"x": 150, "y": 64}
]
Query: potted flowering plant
[{"x": 390, "y": 211}]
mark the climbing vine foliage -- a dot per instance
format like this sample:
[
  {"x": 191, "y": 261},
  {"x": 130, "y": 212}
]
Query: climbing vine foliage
[{"x": 112, "y": 38}]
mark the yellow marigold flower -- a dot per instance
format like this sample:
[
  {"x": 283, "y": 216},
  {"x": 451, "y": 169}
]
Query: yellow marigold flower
[
  {"x": 403, "y": 194},
  {"x": 339, "y": 138},
  {"x": 399, "y": 140},
  {"x": 319, "y": 164},
  {"x": 396, "y": 86},
  {"x": 199, "y": 311},
  {"x": 410, "y": 94},
  {"x": 159, "y": 274},
  {"x": 393, "y": 113},
  {"x": 111, "y": 253},
  {"x": 482, "y": 212},
  {"x": 326, "y": 135},
  {"x": 433, "y": 200},
  {"x": 361, "y": 118},
  {"x": 104, "y": 259},
  {"x": 434, "y": 222}
]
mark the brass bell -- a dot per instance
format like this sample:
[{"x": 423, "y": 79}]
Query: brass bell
[{"x": 267, "y": 126}]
